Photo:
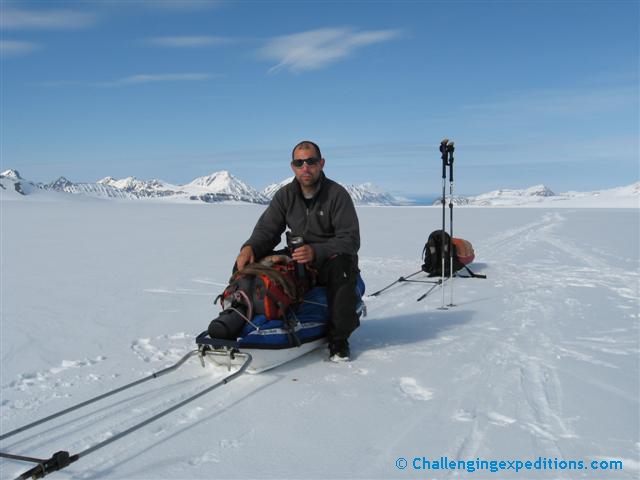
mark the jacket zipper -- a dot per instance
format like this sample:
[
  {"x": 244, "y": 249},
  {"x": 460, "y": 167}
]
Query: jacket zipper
[{"x": 306, "y": 223}]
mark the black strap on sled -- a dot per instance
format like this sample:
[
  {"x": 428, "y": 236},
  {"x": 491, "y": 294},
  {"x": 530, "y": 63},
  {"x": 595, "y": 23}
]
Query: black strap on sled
[
  {"x": 471, "y": 274},
  {"x": 290, "y": 322}
]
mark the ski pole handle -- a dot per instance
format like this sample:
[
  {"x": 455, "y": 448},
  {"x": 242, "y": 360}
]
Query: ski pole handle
[
  {"x": 450, "y": 149},
  {"x": 443, "y": 150}
]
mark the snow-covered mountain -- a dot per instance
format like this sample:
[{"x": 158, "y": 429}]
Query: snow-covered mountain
[
  {"x": 142, "y": 188},
  {"x": 504, "y": 197},
  {"x": 98, "y": 189},
  {"x": 541, "y": 195},
  {"x": 458, "y": 200},
  {"x": 217, "y": 187},
  {"x": 632, "y": 190},
  {"x": 222, "y": 186},
  {"x": 12, "y": 183},
  {"x": 11, "y": 174},
  {"x": 271, "y": 190},
  {"x": 508, "y": 196},
  {"x": 369, "y": 194},
  {"x": 363, "y": 194}
]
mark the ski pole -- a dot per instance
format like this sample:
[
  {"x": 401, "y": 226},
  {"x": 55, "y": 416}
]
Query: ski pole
[
  {"x": 450, "y": 149},
  {"x": 443, "y": 149}
]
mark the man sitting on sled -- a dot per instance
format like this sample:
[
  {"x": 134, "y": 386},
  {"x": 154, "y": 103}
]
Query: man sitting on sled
[{"x": 321, "y": 212}]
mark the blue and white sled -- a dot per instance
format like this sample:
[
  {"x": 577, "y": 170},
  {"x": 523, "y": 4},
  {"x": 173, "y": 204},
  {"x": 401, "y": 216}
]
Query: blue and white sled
[{"x": 273, "y": 342}]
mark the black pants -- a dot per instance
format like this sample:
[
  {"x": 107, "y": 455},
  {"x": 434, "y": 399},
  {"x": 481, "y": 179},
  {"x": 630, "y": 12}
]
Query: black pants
[{"x": 339, "y": 275}]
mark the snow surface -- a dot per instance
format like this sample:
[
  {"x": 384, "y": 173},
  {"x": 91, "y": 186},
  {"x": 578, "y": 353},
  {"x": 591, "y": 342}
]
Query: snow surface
[{"x": 539, "y": 360}]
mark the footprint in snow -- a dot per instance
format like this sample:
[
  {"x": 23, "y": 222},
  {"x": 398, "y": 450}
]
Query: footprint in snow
[
  {"x": 500, "y": 420},
  {"x": 208, "y": 457},
  {"x": 162, "y": 348},
  {"x": 410, "y": 387},
  {"x": 463, "y": 416},
  {"x": 143, "y": 348},
  {"x": 190, "y": 416},
  {"x": 50, "y": 378},
  {"x": 229, "y": 443}
]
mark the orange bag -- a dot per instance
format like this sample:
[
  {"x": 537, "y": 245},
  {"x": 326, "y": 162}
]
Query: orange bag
[{"x": 464, "y": 250}]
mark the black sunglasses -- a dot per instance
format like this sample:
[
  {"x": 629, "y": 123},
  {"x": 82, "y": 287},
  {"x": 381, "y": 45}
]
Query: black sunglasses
[{"x": 301, "y": 161}]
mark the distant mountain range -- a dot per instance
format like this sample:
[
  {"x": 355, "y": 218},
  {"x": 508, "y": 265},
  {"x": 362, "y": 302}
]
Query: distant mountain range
[
  {"x": 224, "y": 187},
  {"x": 217, "y": 187},
  {"x": 505, "y": 196},
  {"x": 541, "y": 194},
  {"x": 364, "y": 194}
]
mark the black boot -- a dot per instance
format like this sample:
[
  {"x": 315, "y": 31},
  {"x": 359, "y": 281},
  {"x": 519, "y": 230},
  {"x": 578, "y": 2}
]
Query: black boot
[{"x": 339, "y": 351}]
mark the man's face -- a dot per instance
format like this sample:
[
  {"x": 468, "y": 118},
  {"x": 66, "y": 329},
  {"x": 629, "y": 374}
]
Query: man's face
[{"x": 307, "y": 175}]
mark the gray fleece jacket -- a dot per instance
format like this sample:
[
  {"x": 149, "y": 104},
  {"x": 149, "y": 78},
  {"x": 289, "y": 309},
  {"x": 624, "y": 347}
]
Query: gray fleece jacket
[{"x": 329, "y": 224}]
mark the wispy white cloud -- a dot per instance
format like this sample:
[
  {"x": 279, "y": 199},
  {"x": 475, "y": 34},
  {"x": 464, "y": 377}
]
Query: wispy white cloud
[
  {"x": 139, "y": 79},
  {"x": 187, "y": 41},
  {"x": 317, "y": 49},
  {"x": 156, "y": 78},
  {"x": 15, "y": 48},
  {"x": 20, "y": 19}
]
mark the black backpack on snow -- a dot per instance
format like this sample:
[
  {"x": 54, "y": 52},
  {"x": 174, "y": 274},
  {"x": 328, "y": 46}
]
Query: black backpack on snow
[{"x": 432, "y": 255}]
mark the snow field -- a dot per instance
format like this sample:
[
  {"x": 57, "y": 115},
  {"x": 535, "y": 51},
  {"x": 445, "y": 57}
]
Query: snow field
[{"x": 539, "y": 360}]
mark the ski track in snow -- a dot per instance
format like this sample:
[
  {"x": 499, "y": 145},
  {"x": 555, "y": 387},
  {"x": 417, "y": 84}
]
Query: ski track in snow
[{"x": 528, "y": 310}]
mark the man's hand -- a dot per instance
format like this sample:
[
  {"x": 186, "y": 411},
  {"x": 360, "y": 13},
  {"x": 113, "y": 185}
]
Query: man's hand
[
  {"x": 245, "y": 257},
  {"x": 304, "y": 254}
]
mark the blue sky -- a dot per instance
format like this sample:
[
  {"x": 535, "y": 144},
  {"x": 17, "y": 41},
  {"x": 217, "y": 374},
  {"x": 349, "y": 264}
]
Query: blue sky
[{"x": 531, "y": 91}]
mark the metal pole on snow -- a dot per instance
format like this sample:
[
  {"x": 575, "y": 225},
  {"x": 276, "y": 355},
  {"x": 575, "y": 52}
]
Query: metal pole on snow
[
  {"x": 450, "y": 149},
  {"x": 445, "y": 162}
]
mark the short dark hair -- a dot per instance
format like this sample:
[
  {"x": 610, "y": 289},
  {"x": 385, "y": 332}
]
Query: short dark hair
[{"x": 307, "y": 144}]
